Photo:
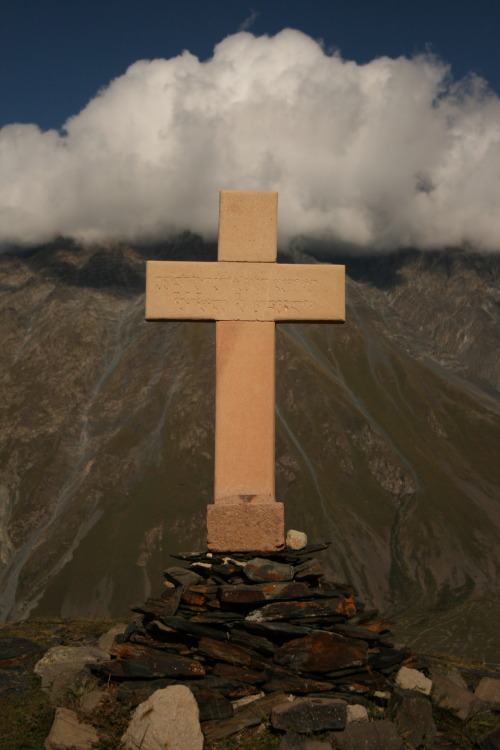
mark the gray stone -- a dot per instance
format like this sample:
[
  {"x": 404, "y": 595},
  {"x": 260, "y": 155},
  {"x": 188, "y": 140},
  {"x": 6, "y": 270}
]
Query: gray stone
[
  {"x": 168, "y": 719},
  {"x": 63, "y": 668},
  {"x": 368, "y": 735},
  {"x": 308, "y": 714},
  {"x": 71, "y": 681},
  {"x": 67, "y": 733},
  {"x": 107, "y": 639},
  {"x": 488, "y": 691},
  {"x": 412, "y": 679},
  {"x": 294, "y": 741},
  {"x": 413, "y": 717},
  {"x": 296, "y": 539},
  {"x": 491, "y": 741},
  {"x": 450, "y": 692},
  {"x": 66, "y": 658}
]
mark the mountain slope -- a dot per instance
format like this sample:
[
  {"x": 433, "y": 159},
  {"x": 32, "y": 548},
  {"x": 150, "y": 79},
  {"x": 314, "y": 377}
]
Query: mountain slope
[{"x": 387, "y": 433}]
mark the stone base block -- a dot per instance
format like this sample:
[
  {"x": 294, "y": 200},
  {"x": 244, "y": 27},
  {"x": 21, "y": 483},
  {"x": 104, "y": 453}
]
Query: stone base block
[{"x": 245, "y": 527}]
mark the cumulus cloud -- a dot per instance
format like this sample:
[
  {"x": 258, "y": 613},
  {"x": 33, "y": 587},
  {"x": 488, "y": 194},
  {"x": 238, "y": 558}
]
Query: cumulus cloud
[{"x": 387, "y": 154}]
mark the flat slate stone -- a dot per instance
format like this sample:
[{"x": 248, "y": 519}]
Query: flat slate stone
[
  {"x": 150, "y": 667},
  {"x": 229, "y": 652},
  {"x": 320, "y": 652},
  {"x": 324, "y": 592},
  {"x": 182, "y": 576},
  {"x": 310, "y": 714},
  {"x": 227, "y": 570},
  {"x": 142, "y": 646},
  {"x": 278, "y": 629},
  {"x": 208, "y": 589},
  {"x": 245, "y": 716},
  {"x": 261, "y": 570},
  {"x": 254, "y": 642},
  {"x": 355, "y": 631},
  {"x": 218, "y": 617},
  {"x": 163, "y": 606},
  {"x": 204, "y": 569},
  {"x": 388, "y": 658},
  {"x": 310, "y": 548},
  {"x": 309, "y": 568},
  {"x": 303, "y": 610},
  {"x": 231, "y": 689},
  {"x": 370, "y": 621},
  {"x": 242, "y": 594},
  {"x": 261, "y": 592},
  {"x": 213, "y": 706},
  {"x": 193, "y": 599},
  {"x": 197, "y": 556},
  {"x": 242, "y": 674},
  {"x": 289, "y": 682},
  {"x": 189, "y": 627}
]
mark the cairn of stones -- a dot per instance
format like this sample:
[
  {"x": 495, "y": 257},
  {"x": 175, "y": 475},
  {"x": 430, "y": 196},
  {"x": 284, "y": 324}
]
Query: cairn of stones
[{"x": 246, "y": 627}]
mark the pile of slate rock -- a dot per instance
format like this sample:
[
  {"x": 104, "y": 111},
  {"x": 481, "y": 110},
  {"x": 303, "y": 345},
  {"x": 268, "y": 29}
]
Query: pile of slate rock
[{"x": 244, "y": 627}]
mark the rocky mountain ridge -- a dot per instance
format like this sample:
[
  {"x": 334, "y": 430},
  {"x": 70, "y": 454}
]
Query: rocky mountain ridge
[{"x": 386, "y": 435}]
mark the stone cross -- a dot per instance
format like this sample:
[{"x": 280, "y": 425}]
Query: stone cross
[{"x": 245, "y": 292}]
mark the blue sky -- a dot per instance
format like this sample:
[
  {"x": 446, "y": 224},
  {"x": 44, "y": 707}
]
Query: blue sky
[{"x": 55, "y": 55}]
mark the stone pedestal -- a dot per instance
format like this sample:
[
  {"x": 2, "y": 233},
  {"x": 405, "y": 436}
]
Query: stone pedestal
[{"x": 242, "y": 527}]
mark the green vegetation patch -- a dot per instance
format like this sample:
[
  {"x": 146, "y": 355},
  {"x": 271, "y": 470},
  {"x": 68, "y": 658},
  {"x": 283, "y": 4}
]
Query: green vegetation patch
[{"x": 26, "y": 719}]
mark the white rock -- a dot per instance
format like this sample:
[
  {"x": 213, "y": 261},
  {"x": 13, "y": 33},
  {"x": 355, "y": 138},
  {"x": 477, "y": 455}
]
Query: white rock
[
  {"x": 412, "y": 679},
  {"x": 168, "y": 719},
  {"x": 296, "y": 539},
  {"x": 107, "y": 639},
  {"x": 64, "y": 667},
  {"x": 67, "y": 733},
  {"x": 356, "y": 712}
]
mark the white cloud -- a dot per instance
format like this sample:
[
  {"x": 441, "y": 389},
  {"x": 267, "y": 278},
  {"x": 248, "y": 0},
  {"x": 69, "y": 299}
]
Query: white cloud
[{"x": 381, "y": 155}]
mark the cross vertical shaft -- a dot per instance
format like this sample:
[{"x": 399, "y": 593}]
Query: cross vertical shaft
[
  {"x": 244, "y": 412},
  {"x": 245, "y": 514}
]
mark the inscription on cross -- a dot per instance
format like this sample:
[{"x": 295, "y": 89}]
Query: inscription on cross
[{"x": 245, "y": 292}]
